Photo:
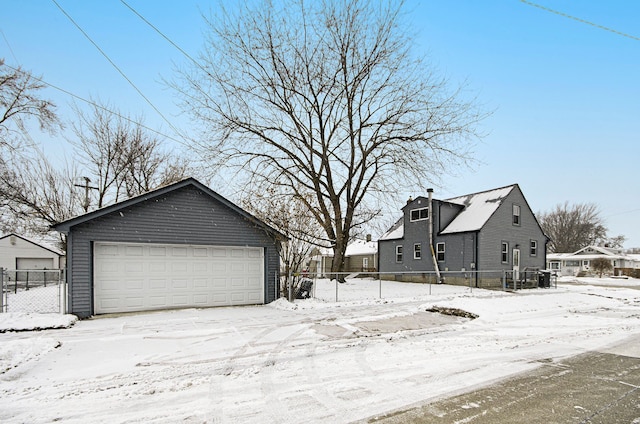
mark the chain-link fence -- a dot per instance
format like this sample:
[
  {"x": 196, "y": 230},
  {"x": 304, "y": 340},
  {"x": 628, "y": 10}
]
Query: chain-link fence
[
  {"x": 375, "y": 285},
  {"x": 32, "y": 291}
]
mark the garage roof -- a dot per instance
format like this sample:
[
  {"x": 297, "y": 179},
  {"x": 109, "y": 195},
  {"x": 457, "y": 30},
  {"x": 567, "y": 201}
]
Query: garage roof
[{"x": 65, "y": 226}]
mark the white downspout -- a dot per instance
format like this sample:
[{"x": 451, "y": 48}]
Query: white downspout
[{"x": 433, "y": 253}]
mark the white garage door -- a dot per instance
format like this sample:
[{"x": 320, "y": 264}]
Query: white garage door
[
  {"x": 139, "y": 277},
  {"x": 34, "y": 263}
]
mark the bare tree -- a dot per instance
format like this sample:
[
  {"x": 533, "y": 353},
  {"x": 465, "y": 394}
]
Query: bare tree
[
  {"x": 572, "y": 227},
  {"x": 601, "y": 265},
  {"x": 326, "y": 97},
  {"x": 290, "y": 216},
  {"x": 20, "y": 101},
  {"x": 34, "y": 195},
  {"x": 121, "y": 158}
]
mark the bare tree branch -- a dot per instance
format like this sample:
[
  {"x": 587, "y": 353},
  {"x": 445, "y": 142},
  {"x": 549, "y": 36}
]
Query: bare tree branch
[{"x": 326, "y": 97}]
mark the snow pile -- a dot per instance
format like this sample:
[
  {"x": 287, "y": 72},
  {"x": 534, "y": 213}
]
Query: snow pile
[
  {"x": 18, "y": 321},
  {"x": 15, "y": 353}
]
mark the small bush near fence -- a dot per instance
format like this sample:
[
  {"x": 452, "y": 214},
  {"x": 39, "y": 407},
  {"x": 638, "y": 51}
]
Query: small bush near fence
[{"x": 32, "y": 291}]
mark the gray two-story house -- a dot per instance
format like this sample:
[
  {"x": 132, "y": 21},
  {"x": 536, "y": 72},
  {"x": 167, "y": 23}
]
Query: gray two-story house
[{"x": 493, "y": 230}]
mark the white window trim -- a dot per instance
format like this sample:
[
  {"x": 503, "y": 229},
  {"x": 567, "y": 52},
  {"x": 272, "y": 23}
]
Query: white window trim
[
  {"x": 419, "y": 219},
  {"x": 533, "y": 247},
  {"x": 417, "y": 251},
  {"x": 504, "y": 252},
  {"x": 516, "y": 211},
  {"x": 439, "y": 251},
  {"x": 399, "y": 254}
]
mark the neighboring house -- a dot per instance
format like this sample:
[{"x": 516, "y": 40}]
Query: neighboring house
[
  {"x": 360, "y": 256},
  {"x": 21, "y": 253},
  {"x": 180, "y": 246},
  {"x": 493, "y": 230},
  {"x": 572, "y": 264}
]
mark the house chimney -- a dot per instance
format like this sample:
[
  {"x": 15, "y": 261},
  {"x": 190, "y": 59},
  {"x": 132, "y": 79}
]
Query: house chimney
[
  {"x": 368, "y": 238},
  {"x": 431, "y": 223},
  {"x": 409, "y": 200}
]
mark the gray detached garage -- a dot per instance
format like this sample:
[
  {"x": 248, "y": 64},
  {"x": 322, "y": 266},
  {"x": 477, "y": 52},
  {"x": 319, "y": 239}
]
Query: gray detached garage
[{"x": 180, "y": 246}]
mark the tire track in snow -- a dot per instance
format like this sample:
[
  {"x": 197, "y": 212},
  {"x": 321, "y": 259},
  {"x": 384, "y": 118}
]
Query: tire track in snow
[{"x": 276, "y": 406}]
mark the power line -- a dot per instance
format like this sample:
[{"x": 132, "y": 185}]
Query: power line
[
  {"x": 164, "y": 36},
  {"x": 195, "y": 62},
  {"x": 99, "y": 106},
  {"x": 566, "y": 15},
  {"x": 118, "y": 69}
]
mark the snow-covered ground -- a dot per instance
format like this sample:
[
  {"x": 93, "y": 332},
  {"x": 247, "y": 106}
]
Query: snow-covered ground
[{"x": 312, "y": 361}]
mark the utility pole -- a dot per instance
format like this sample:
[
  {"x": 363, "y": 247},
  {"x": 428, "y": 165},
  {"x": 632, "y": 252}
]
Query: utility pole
[{"x": 87, "y": 187}]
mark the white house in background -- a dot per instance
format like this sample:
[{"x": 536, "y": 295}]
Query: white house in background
[
  {"x": 580, "y": 261},
  {"x": 360, "y": 256},
  {"x": 19, "y": 252}
]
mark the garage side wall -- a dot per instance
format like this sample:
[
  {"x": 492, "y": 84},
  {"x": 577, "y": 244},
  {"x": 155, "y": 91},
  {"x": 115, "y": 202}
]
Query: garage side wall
[{"x": 183, "y": 216}]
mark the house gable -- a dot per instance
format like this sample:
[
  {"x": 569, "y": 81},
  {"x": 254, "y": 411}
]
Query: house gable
[
  {"x": 14, "y": 247},
  {"x": 468, "y": 233}
]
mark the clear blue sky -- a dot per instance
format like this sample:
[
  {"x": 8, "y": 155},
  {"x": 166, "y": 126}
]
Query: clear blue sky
[{"x": 566, "y": 94}]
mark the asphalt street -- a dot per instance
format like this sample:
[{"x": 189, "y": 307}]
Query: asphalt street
[{"x": 595, "y": 387}]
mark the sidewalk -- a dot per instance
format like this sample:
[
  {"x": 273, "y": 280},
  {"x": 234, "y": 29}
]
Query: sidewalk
[{"x": 595, "y": 387}]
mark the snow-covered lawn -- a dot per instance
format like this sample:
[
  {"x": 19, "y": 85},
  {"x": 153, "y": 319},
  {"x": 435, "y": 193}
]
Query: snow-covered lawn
[{"x": 313, "y": 361}]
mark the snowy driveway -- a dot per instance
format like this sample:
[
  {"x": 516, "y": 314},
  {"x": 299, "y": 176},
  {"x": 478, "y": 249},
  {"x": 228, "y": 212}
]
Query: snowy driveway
[{"x": 321, "y": 362}]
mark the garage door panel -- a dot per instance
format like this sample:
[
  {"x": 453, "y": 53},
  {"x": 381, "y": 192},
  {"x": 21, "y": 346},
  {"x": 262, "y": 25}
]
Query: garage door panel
[
  {"x": 179, "y": 251},
  {"x": 134, "y": 285},
  {"x": 158, "y": 301},
  {"x": 179, "y": 284},
  {"x": 157, "y": 267},
  {"x": 254, "y": 296},
  {"x": 157, "y": 284},
  {"x": 133, "y": 250},
  {"x": 180, "y": 300},
  {"x": 157, "y": 251},
  {"x": 200, "y": 283},
  {"x": 134, "y": 267},
  {"x": 200, "y": 267},
  {"x": 166, "y": 276},
  {"x": 107, "y": 250}
]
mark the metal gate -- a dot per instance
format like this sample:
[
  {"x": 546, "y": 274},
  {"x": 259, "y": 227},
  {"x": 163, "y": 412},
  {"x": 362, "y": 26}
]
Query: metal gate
[{"x": 32, "y": 291}]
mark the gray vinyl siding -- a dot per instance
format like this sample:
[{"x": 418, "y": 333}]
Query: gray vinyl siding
[
  {"x": 183, "y": 216},
  {"x": 460, "y": 251},
  {"x": 481, "y": 248},
  {"x": 500, "y": 229}
]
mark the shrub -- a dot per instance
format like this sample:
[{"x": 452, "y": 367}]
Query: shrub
[{"x": 601, "y": 265}]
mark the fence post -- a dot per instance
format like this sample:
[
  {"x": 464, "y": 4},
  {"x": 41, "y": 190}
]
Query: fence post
[
  {"x": 1, "y": 290},
  {"x": 379, "y": 287},
  {"x": 336, "y": 280},
  {"x": 27, "y": 285},
  {"x": 62, "y": 280}
]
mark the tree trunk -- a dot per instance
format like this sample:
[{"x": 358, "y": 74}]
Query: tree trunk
[{"x": 338, "y": 264}]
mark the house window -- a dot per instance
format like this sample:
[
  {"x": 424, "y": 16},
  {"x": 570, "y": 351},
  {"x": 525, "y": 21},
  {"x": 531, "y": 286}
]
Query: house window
[
  {"x": 505, "y": 253},
  {"x": 516, "y": 214},
  {"x": 440, "y": 251},
  {"x": 399, "y": 253},
  {"x": 419, "y": 214},
  {"x": 533, "y": 248},
  {"x": 417, "y": 251},
  {"x": 554, "y": 265}
]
